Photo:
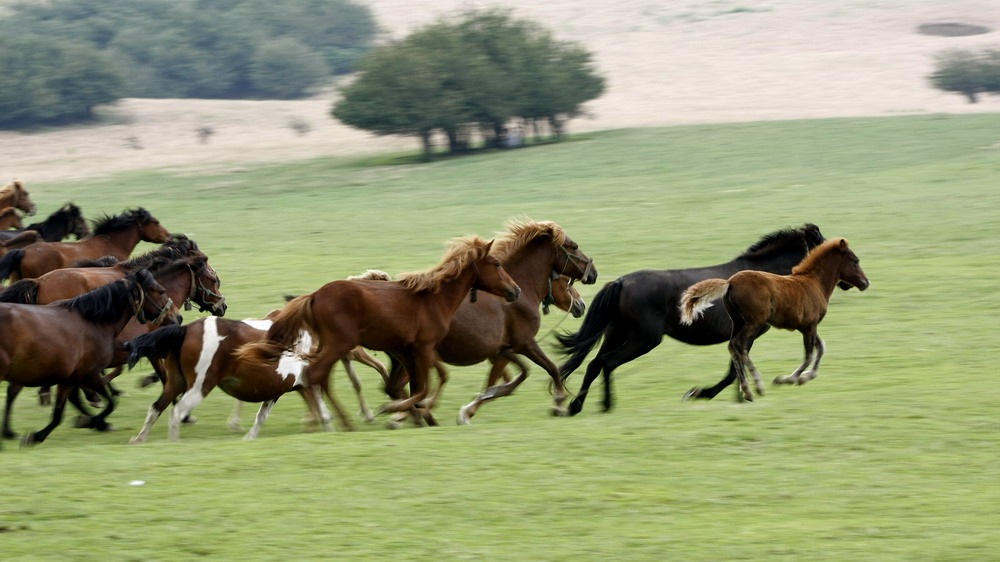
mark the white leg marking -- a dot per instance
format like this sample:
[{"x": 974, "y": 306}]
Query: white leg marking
[
  {"x": 262, "y": 413},
  {"x": 151, "y": 416}
]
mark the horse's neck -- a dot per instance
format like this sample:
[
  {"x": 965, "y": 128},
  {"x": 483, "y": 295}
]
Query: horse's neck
[
  {"x": 779, "y": 263},
  {"x": 454, "y": 292},
  {"x": 120, "y": 243},
  {"x": 825, "y": 273},
  {"x": 531, "y": 269}
]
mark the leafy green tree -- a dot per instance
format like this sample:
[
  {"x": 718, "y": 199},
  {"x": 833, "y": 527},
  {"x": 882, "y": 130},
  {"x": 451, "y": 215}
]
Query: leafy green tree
[
  {"x": 75, "y": 79},
  {"x": 960, "y": 71},
  {"x": 477, "y": 74},
  {"x": 285, "y": 68}
]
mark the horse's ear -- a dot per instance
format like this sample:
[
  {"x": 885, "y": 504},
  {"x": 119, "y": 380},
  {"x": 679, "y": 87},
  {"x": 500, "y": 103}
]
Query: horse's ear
[
  {"x": 489, "y": 245},
  {"x": 843, "y": 243}
]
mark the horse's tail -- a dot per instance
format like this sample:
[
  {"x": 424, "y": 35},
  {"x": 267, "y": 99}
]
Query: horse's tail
[
  {"x": 282, "y": 335},
  {"x": 698, "y": 297},
  {"x": 10, "y": 264},
  {"x": 24, "y": 291},
  {"x": 602, "y": 310},
  {"x": 158, "y": 344}
]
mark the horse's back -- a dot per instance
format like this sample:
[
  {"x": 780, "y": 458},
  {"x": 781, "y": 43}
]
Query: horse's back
[{"x": 69, "y": 282}]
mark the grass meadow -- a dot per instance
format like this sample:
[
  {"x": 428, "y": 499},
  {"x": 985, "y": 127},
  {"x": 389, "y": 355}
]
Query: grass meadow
[{"x": 890, "y": 454}]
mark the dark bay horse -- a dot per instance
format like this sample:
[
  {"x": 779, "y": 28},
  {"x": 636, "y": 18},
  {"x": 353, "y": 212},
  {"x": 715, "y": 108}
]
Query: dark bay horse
[
  {"x": 68, "y": 343},
  {"x": 60, "y": 224},
  {"x": 199, "y": 357},
  {"x": 755, "y": 299},
  {"x": 15, "y": 195},
  {"x": 406, "y": 318},
  {"x": 635, "y": 311},
  {"x": 113, "y": 236},
  {"x": 489, "y": 328}
]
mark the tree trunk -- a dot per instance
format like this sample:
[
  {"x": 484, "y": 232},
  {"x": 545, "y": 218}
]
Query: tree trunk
[{"x": 425, "y": 138}]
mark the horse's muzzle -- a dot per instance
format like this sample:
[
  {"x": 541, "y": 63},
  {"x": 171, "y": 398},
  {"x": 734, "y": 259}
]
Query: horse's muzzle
[{"x": 512, "y": 295}]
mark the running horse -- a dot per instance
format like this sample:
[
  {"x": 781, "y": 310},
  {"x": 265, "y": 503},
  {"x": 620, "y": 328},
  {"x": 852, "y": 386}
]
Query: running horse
[
  {"x": 406, "y": 318},
  {"x": 113, "y": 236},
  {"x": 179, "y": 266},
  {"x": 635, "y": 311},
  {"x": 755, "y": 299},
  {"x": 68, "y": 343},
  {"x": 15, "y": 195},
  {"x": 67, "y": 220}
]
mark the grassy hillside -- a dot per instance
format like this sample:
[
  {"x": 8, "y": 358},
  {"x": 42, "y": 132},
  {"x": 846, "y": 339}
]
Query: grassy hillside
[{"x": 889, "y": 454}]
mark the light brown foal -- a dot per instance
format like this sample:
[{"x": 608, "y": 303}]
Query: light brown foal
[{"x": 755, "y": 299}]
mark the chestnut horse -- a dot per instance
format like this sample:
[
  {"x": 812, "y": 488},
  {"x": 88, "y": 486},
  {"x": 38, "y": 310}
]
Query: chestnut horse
[
  {"x": 113, "y": 236},
  {"x": 10, "y": 218},
  {"x": 755, "y": 299},
  {"x": 406, "y": 318},
  {"x": 68, "y": 343},
  {"x": 633, "y": 313},
  {"x": 14, "y": 195}
]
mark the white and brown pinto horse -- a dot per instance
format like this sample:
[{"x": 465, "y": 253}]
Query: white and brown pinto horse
[{"x": 756, "y": 299}]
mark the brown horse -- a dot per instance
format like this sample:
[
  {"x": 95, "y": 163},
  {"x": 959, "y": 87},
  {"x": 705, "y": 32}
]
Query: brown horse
[
  {"x": 14, "y": 195},
  {"x": 755, "y": 299},
  {"x": 178, "y": 266},
  {"x": 68, "y": 343},
  {"x": 199, "y": 356},
  {"x": 113, "y": 236},
  {"x": 406, "y": 318},
  {"x": 10, "y": 218}
]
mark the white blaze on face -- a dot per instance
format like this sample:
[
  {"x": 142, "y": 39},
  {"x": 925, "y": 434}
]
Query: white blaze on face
[
  {"x": 209, "y": 346},
  {"x": 290, "y": 365}
]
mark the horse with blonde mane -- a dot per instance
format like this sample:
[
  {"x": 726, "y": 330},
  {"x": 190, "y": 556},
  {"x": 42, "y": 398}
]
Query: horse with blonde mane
[
  {"x": 406, "y": 318},
  {"x": 757, "y": 299},
  {"x": 15, "y": 195}
]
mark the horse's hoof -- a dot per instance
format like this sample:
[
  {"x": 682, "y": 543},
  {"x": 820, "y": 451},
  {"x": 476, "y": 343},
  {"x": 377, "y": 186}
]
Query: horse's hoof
[
  {"x": 147, "y": 381},
  {"x": 693, "y": 393},
  {"x": 28, "y": 440},
  {"x": 83, "y": 422},
  {"x": 189, "y": 419},
  {"x": 393, "y": 424},
  {"x": 136, "y": 440},
  {"x": 560, "y": 412},
  {"x": 106, "y": 427},
  {"x": 9, "y": 435}
]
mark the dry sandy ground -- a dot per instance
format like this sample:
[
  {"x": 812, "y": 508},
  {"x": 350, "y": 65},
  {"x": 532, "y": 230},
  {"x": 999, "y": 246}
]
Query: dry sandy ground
[{"x": 666, "y": 62}]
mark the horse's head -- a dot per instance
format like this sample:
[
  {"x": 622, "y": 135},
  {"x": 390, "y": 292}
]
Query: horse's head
[
  {"x": 22, "y": 200},
  {"x": 564, "y": 296},
  {"x": 76, "y": 224},
  {"x": 150, "y": 301},
  {"x": 573, "y": 263},
  {"x": 851, "y": 274},
  {"x": 492, "y": 278},
  {"x": 150, "y": 229},
  {"x": 206, "y": 287},
  {"x": 11, "y": 214}
]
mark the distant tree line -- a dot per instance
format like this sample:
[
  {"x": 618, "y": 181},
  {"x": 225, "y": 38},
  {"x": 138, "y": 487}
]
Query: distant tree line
[
  {"x": 484, "y": 75},
  {"x": 70, "y": 55},
  {"x": 969, "y": 73}
]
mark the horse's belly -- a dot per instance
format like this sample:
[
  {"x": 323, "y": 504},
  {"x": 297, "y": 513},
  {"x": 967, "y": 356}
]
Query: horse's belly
[{"x": 257, "y": 389}]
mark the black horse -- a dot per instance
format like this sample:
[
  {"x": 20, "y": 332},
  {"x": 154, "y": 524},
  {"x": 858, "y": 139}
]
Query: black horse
[
  {"x": 633, "y": 312},
  {"x": 60, "y": 224}
]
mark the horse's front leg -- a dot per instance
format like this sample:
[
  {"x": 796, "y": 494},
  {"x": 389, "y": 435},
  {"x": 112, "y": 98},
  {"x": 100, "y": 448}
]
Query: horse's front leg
[
  {"x": 808, "y": 344},
  {"x": 262, "y": 413},
  {"x": 813, "y": 371},
  {"x": 12, "y": 391},
  {"x": 35, "y": 437},
  {"x": 352, "y": 374}
]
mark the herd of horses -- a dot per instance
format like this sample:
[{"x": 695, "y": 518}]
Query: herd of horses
[{"x": 76, "y": 312}]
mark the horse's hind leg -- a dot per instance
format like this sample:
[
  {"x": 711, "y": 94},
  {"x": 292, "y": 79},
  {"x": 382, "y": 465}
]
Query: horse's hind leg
[
  {"x": 352, "y": 374},
  {"x": 466, "y": 412},
  {"x": 820, "y": 348},
  {"x": 233, "y": 421}
]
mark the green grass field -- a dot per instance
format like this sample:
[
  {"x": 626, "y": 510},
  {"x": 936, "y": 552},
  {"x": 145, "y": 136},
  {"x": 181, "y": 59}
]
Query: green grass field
[{"x": 891, "y": 454}]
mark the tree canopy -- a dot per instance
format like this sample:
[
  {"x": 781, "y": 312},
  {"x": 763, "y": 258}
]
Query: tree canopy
[
  {"x": 480, "y": 74},
  {"x": 969, "y": 73},
  {"x": 188, "y": 48}
]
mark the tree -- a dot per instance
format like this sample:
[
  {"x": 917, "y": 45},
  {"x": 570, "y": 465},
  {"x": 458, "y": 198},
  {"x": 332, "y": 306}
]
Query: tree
[
  {"x": 47, "y": 81},
  {"x": 285, "y": 68},
  {"x": 476, "y": 75},
  {"x": 959, "y": 71}
]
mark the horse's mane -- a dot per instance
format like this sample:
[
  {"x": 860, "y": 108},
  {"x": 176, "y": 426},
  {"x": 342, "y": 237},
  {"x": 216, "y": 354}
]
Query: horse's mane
[
  {"x": 14, "y": 185},
  {"x": 103, "y": 304},
  {"x": 64, "y": 216},
  {"x": 817, "y": 254},
  {"x": 178, "y": 247},
  {"x": 462, "y": 254},
  {"x": 110, "y": 224},
  {"x": 522, "y": 232},
  {"x": 105, "y": 261},
  {"x": 371, "y": 275},
  {"x": 807, "y": 234}
]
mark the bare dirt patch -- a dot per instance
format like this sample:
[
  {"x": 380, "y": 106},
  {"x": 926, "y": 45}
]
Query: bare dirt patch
[{"x": 666, "y": 63}]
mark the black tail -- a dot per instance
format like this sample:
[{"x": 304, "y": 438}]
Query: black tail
[
  {"x": 599, "y": 314},
  {"x": 157, "y": 344},
  {"x": 10, "y": 263},
  {"x": 24, "y": 291}
]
